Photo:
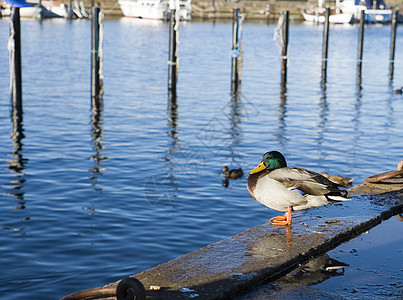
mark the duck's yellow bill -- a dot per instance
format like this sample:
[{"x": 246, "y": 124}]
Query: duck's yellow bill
[{"x": 259, "y": 168}]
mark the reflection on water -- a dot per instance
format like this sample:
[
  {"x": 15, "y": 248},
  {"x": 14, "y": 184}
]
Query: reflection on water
[
  {"x": 17, "y": 163},
  {"x": 323, "y": 118},
  {"x": 235, "y": 118},
  {"x": 162, "y": 189},
  {"x": 315, "y": 271},
  {"x": 235, "y": 128},
  {"x": 391, "y": 70},
  {"x": 359, "y": 76},
  {"x": 300, "y": 283},
  {"x": 172, "y": 119},
  {"x": 97, "y": 133},
  {"x": 169, "y": 180}
]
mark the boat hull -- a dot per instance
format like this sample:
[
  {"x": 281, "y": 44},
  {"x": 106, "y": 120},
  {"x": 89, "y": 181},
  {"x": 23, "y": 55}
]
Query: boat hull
[
  {"x": 148, "y": 10},
  {"x": 372, "y": 15},
  {"x": 341, "y": 18},
  {"x": 153, "y": 9},
  {"x": 378, "y": 15}
]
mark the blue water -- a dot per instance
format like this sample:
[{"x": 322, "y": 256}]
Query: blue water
[{"x": 91, "y": 196}]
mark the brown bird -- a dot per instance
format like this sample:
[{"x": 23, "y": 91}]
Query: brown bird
[
  {"x": 232, "y": 174},
  {"x": 340, "y": 180},
  {"x": 398, "y": 91}
]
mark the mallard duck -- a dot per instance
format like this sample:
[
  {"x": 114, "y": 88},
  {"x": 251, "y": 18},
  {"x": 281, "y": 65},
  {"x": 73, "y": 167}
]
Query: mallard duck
[
  {"x": 279, "y": 187},
  {"x": 398, "y": 91},
  {"x": 338, "y": 179},
  {"x": 232, "y": 174}
]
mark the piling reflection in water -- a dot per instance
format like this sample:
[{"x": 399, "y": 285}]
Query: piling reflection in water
[
  {"x": 97, "y": 105},
  {"x": 17, "y": 161},
  {"x": 235, "y": 117},
  {"x": 322, "y": 126},
  {"x": 162, "y": 189},
  {"x": 172, "y": 120},
  {"x": 391, "y": 71},
  {"x": 235, "y": 130},
  {"x": 323, "y": 118},
  {"x": 97, "y": 133},
  {"x": 173, "y": 124},
  {"x": 17, "y": 164}
]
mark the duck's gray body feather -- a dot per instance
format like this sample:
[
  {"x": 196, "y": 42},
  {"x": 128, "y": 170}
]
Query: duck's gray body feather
[{"x": 295, "y": 187}]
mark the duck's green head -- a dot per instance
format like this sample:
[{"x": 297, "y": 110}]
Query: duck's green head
[{"x": 271, "y": 160}]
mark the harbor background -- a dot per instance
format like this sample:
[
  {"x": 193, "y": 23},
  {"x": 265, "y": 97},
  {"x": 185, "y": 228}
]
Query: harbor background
[
  {"x": 93, "y": 195},
  {"x": 253, "y": 10}
]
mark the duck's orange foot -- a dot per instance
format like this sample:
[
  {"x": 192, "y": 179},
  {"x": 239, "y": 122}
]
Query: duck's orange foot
[{"x": 280, "y": 221}]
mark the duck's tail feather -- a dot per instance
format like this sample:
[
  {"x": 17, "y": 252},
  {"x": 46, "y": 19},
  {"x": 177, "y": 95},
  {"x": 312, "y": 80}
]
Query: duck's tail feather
[{"x": 342, "y": 195}]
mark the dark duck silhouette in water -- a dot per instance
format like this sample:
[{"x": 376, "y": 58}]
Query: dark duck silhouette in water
[
  {"x": 338, "y": 179},
  {"x": 284, "y": 188},
  {"x": 398, "y": 91},
  {"x": 231, "y": 174}
]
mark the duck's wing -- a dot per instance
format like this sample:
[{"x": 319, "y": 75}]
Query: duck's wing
[{"x": 308, "y": 182}]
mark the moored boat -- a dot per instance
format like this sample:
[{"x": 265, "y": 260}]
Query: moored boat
[
  {"x": 337, "y": 15},
  {"x": 375, "y": 11},
  {"x": 47, "y": 9},
  {"x": 348, "y": 11},
  {"x": 318, "y": 16},
  {"x": 154, "y": 9}
]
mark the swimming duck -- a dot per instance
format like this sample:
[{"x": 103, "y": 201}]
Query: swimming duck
[
  {"x": 232, "y": 174},
  {"x": 338, "y": 179},
  {"x": 398, "y": 91},
  {"x": 282, "y": 188}
]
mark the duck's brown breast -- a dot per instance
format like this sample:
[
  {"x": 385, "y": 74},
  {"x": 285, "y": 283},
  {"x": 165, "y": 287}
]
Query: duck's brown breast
[{"x": 251, "y": 183}]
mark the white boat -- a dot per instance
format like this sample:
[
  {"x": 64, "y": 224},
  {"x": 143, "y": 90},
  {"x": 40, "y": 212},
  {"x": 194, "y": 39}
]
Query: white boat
[
  {"x": 347, "y": 11},
  {"x": 337, "y": 14},
  {"x": 318, "y": 16},
  {"x": 154, "y": 9},
  {"x": 48, "y": 9},
  {"x": 375, "y": 11}
]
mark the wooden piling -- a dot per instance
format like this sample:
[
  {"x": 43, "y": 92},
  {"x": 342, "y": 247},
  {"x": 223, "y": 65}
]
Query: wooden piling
[
  {"x": 15, "y": 59},
  {"x": 236, "y": 51},
  {"x": 173, "y": 59},
  {"x": 393, "y": 34},
  {"x": 284, "y": 47},
  {"x": 360, "y": 48},
  {"x": 393, "y": 43},
  {"x": 267, "y": 13},
  {"x": 70, "y": 9},
  {"x": 95, "y": 61},
  {"x": 214, "y": 11},
  {"x": 325, "y": 46}
]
